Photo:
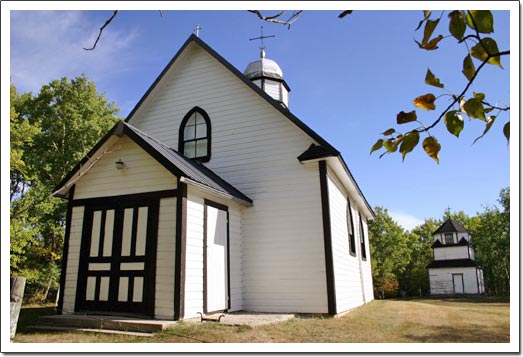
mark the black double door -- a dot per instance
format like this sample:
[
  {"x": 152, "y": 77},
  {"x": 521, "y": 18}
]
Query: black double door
[{"x": 118, "y": 257}]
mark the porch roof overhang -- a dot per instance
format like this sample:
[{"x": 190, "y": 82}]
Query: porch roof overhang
[{"x": 189, "y": 171}]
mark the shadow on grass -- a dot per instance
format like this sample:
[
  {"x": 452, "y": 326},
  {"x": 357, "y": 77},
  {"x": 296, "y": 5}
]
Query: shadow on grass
[
  {"x": 29, "y": 317},
  {"x": 458, "y": 299},
  {"x": 460, "y": 335}
]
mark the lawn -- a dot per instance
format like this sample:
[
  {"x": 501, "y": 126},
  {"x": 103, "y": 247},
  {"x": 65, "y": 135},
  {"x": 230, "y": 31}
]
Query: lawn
[{"x": 483, "y": 320}]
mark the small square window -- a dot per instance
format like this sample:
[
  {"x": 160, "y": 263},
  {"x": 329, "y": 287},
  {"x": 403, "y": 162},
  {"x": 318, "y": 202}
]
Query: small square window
[
  {"x": 190, "y": 149},
  {"x": 449, "y": 238},
  {"x": 201, "y": 148}
]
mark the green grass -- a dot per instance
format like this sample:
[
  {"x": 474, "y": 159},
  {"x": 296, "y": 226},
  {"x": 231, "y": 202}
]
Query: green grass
[{"x": 381, "y": 321}]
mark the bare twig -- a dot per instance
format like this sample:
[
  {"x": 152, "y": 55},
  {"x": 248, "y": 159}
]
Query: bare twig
[
  {"x": 277, "y": 18},
  {"x": 344, "y": 13},
  {"x": 505, "y": 109},
  {"x": 102, "y": 29}
]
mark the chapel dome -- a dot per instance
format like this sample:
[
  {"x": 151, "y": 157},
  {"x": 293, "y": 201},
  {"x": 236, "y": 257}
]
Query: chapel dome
[
  {"x": 263, "y": 67},
  {"x": 268, "y": 76}
]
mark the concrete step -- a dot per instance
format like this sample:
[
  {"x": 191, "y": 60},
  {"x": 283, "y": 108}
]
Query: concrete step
[{"x": 117, "y": 323}]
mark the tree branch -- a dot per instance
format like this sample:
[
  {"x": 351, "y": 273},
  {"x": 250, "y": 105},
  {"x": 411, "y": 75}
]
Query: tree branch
[
  {"x": 344, "y": 13},
  {"x": 101, "y": 30},
  {"x": 457, "y": 98},
  {"x": 276, "y": 18},
  {"x": 505, "y": 109}
]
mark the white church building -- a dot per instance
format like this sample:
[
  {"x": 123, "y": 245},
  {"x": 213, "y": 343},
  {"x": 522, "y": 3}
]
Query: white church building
[
  {"x": 454, "y": 270},
  {"x": 211, "y": 197}
]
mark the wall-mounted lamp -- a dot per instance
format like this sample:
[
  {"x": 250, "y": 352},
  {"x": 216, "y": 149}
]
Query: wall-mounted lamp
[{"x": 119, "y": 164}]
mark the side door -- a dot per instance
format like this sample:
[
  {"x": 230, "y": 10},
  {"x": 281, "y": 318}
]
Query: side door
[
  {"x": 216, "y": 258},
  {"x": 457, "y": 281}
]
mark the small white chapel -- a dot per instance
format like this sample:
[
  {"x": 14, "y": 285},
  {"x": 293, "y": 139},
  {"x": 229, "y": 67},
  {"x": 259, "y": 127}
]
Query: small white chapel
[{"x": 454, "y": 270}]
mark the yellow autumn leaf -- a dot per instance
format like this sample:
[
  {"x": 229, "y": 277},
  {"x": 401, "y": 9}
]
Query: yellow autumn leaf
[
  {"x": 432, "y": 147},
  {"x": 425, "y": 101}
]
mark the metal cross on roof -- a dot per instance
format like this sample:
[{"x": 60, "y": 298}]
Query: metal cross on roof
[
  {"x": 197, "y": 30},
  {"x": 261, "y": 38}
]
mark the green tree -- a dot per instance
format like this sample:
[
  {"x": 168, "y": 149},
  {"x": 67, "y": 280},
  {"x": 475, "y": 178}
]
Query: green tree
[
  {"x": 22, "y": 134},
  {"x": 50, "y": 133},
  {"x": 491, "y": 240},
  {"x": 415, "y": 280},
  {"x": 390, "y": 252}
]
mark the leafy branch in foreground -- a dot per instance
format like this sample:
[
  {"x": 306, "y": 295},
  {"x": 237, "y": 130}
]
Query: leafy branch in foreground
[{"x": 482, "y": 49}]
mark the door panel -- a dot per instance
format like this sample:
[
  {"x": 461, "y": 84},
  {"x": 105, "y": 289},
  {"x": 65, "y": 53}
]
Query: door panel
[
  {"x": 457, "y": 280},
  {"x": 216, "y": 259},
  {"x": 118, "y": 257}
]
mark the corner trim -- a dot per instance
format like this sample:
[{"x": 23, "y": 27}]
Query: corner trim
[
  {"x": 179, "y": 254},
  {"x": 327, "y": 238},
  {"x": 65, "y": 251}
]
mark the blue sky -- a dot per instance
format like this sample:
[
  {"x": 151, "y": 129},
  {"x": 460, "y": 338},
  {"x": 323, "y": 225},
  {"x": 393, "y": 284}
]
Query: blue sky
[{"x": 348, "y": 77}]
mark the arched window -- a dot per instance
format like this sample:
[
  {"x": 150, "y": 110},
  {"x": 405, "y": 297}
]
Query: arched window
[{"x": 195, "y": 135}]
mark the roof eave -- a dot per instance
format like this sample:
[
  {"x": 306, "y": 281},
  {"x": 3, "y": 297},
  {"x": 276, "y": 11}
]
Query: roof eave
[{"x": 211, "y": 190}]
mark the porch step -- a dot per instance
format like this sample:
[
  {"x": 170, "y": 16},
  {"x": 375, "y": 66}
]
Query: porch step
[
  {"x": 92, "y": 330},
  {"x": 213, "y": 317},
  {"x": 99, "y": 322}
]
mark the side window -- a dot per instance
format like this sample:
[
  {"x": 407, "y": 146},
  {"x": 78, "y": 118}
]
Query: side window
[
  {"x": 362, "y": 239},
  {"x": 350, "y": 229},
  {"x": 195, "y": 135}
]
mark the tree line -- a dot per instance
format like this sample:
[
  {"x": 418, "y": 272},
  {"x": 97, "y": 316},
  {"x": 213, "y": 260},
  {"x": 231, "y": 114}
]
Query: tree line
[{"x": 400, "y": 257}]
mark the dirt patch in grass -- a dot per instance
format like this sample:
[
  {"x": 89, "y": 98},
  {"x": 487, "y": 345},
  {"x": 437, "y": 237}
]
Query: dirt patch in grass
[{"x": 381, "y": 321}]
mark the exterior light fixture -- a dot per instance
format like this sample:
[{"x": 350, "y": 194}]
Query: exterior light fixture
[{"x": 119, "y": 164}]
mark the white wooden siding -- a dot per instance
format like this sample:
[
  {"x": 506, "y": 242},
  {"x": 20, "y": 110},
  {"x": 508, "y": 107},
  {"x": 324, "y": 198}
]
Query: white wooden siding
[
  {"x": 454, "y": 252},
  {"x": 441, "y": 280},
  {"x": 347, "y": 278},
  {"x": 272, "y": 88},
  {"x": 165, "y": 260},
  {"x": 142, "y": 173},
  {"x": 194, "y": 253},
  {"x": 254, "y": 147},
  {"x": 73, "y": 259}
]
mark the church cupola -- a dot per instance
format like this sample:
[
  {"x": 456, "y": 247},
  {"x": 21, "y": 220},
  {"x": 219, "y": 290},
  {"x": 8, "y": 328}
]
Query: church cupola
[{"x": 267, "y": 75}]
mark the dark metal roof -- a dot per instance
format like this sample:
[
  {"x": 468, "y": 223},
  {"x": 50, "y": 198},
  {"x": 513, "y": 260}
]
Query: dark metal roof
[
  {"x": 173, "y": 161},
  {"x": 451, "y": 226},
  {"x": 453, "y": 263},
  {"x": 438, "y": 244},
  {"x": 316, "y": 152}
]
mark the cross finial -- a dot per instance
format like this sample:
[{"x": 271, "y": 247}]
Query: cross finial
[
  {"x": 197, "y": 30},
  {"x": 262, "y": 48},
  {"x": 448, "y": 211}
]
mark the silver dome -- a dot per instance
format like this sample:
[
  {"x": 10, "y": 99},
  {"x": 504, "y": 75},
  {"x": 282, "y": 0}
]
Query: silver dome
[{"x": 263, "y": 67}]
